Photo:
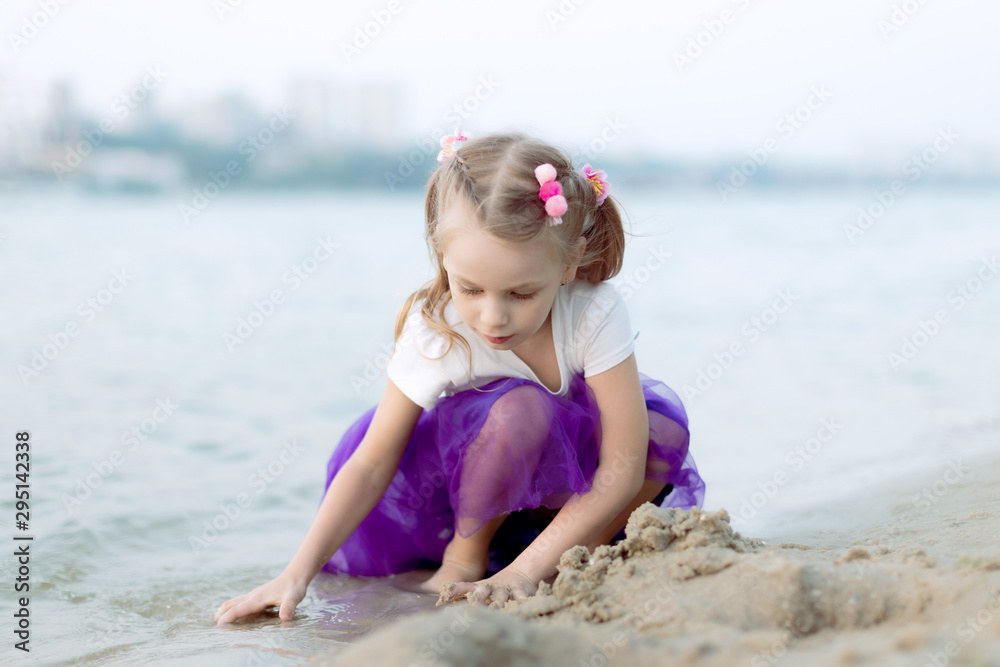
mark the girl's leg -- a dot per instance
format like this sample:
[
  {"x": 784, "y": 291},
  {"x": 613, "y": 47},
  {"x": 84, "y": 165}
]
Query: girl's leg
[
  {"x": 465, "y": 558},
  {"x": 500, "y": 460}
]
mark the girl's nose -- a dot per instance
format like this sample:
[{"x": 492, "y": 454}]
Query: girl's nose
[{"x": 494, "y": 314}]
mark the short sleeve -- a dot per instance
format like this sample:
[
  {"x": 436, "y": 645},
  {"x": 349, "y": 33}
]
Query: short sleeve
[
  {"x": 606, "y": 335},
  {"x": 413, "y": 367}
]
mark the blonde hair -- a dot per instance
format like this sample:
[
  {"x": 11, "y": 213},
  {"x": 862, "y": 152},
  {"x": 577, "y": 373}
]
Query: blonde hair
[{"x": 495, "y": 174}]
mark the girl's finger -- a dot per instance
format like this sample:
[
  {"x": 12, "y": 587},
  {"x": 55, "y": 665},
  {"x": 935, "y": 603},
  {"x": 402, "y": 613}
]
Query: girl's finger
[
  {"x": 287, "y": 610},
  {"x": 500, "y": 596},
  {"x": 238, "y": 611},
  {"x": 453, "y": 592},
  {"x": 231, "y": 615},
  {"x": 458, "y": 591},
  {"x": 480, "y": 595},
  {"x": 226, "y": 606}
]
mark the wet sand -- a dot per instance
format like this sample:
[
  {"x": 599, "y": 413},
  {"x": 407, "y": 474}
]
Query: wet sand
[{"x": 910, "y": 576}]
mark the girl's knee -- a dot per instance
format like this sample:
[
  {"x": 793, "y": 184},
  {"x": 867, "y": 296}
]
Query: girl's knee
[
  {"x": 510, "y": 442},
  {"x": 656, "y": 468},
  {"x": 521, "y": 416},
  {"x": 523, "y": 399},
  {"x": 667, "y": 438}
]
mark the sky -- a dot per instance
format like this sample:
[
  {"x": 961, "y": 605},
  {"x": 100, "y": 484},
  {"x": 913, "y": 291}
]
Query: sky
[{"x": 871, "y": 80}]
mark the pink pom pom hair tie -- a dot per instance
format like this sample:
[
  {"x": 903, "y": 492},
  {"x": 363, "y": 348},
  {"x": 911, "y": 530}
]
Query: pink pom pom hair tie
[
  {"x": 451, "y": 143},
  {"x": 597, "y": 180},
  {"x": 550, "y": 192}
]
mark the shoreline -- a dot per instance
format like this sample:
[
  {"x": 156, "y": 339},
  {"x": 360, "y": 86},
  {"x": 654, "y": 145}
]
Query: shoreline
[{"x": 914, "y": 579}]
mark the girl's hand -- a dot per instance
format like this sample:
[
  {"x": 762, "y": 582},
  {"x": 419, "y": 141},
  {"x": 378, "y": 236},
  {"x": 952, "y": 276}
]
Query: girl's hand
[
  {"x": 283, "y": 592},
  {"x": 507, "y": 584}
]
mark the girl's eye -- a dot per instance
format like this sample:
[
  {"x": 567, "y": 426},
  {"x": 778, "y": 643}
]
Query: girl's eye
[{"x": 519, "y": 297}]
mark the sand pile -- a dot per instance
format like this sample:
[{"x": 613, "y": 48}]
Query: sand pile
[
  {"x": 660, "y": 576},
  {"x": 684, "y": 587}
]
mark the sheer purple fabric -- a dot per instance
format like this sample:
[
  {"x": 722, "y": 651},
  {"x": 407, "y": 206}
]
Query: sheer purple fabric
[{"x": 509, "y": 447}]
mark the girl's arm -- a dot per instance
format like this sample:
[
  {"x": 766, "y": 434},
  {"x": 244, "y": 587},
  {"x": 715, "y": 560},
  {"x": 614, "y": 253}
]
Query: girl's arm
[
  {"x": 621, "y": 470},
  {"x": 354, "y": 491}
]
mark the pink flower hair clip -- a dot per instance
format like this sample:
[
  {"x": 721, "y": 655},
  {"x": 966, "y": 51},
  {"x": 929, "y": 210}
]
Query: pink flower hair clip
[
  {"x": 597, "y": 180},
  {"x": 550, "y": 192},
  {"x": 451, "y": 143}
]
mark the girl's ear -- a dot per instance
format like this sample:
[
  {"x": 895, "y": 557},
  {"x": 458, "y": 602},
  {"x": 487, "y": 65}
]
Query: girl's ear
[
  {"x": 570, "y": 271},
  {"x": 581, "y": 245}
]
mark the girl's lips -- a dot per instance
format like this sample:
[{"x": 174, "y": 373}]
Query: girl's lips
[{"x": 497, "y": 341}]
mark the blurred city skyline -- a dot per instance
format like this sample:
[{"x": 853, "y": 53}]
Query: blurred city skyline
[
  {"x": 330, "y": 135},
  {"x": 850, "y": 92}
]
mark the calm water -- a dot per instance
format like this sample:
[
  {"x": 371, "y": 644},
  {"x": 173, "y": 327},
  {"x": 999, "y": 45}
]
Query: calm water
[{"x": 154, "y": 413}]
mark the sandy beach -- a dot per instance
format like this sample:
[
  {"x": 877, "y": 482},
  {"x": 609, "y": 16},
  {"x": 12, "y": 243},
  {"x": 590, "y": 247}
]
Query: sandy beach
[{"x": 903, "y": 575}]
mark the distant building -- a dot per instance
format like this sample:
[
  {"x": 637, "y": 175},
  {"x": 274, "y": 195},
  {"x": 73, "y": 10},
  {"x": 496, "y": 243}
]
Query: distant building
[
  {"x": 367, "y": 115},
  {"x": 312, "y": 102},
  {"x": 379, "y": 114},
  {"x": 8, "y": 116},
  {"x": 352, "y": 115},
  {"x": 220, "y": 122},
  {"x": 64, "y": 128}
]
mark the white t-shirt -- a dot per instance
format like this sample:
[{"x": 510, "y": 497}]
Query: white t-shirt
[{"x": 590, "y": 329}]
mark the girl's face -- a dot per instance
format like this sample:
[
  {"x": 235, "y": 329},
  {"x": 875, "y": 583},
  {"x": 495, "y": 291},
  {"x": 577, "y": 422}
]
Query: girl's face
[{"x": 503, "y": 290}]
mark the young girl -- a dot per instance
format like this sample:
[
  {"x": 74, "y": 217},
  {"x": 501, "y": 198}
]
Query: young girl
[{"x": 513, "y": 395}]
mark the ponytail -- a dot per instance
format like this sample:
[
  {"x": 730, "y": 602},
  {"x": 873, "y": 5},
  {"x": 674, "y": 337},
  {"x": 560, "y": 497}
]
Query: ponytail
[{"x": 605, "y": 243}]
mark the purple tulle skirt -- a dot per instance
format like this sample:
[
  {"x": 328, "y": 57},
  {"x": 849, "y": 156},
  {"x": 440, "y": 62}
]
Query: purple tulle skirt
[{"x": 511, "y": 448}]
